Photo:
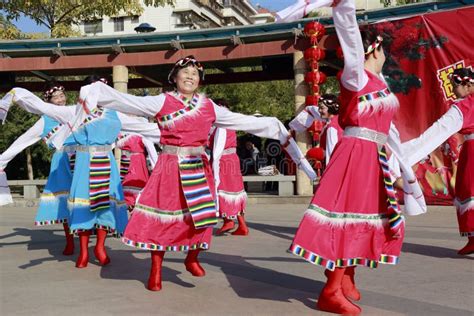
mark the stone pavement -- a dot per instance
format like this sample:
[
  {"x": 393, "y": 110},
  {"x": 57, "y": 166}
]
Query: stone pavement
[{"x": 251, "y": 275}]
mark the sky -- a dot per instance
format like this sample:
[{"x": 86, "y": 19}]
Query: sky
[{"x": 27, "y": 25}]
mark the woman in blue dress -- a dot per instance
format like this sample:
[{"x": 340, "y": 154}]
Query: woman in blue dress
[
  {"x": 53, "y": 201},
  {"x": 96, "y": 200}
]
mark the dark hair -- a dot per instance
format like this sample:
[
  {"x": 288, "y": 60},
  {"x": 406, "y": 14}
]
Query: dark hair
[
  {"x": 369, "y": 37},
  {"x": 222, "y": 102},
  {"x": 183, "y": 63},
  {"x": 463, "y": 76},
  {"x": 331, "y": 102},
  {"x": 94, "y": 78}
]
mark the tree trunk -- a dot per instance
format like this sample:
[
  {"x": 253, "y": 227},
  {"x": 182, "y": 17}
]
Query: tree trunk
[{"x": 29, "y": 164}]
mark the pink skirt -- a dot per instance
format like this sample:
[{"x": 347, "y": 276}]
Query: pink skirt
[
  {"x": 464, "y": 191},
  {"x": 346, "y": 223},
  {"x": 161, "y": 219},
  {"x": 231, "y": 193}
]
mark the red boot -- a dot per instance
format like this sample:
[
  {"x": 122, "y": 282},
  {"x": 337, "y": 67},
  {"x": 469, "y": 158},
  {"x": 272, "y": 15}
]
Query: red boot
[
  {"x": 228, "y": 225},
  {"x": 243, "y": 229},
  {"x": 154, "y": 281},
  {"x": 99, "y": 250},
  {"x": 69, "y": 249},
  {"x": 468, "y": 248},
  {"x": 192, "y": 264},
  {"x": 348, "y": 285},
  {"x": 332, "y": 299},
  {"x": 83, "y": 258}
]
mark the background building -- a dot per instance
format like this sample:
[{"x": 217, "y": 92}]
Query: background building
[{"x": 185, "y": 15}]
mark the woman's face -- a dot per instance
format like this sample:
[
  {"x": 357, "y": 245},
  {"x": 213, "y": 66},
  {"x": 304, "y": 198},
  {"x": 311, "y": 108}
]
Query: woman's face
[
  {"x": 58, "y": 98},
  {"x": 323, "y": 110},
  {"x": 462, "y": 91},
  {"x": 187, "y": 80}
]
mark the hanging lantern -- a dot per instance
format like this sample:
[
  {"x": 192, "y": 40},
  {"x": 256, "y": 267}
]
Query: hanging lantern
[
  {"x": 315, "y": 153},
  {"x": 315, "y": 77},
  {"x": 314, "y": 29},
  {"x": 312, "y": 99},
  {"x": 314, "y": 54}
]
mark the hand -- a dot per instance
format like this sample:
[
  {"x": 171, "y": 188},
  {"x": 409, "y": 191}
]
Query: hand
[{"x": 335, "y": 3}]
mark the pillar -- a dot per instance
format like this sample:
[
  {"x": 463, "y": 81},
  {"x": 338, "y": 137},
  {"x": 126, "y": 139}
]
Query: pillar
[{"x": 304, "y": 185}]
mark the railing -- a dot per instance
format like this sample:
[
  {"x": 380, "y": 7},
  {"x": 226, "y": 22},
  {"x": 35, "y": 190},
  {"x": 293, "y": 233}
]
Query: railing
[{"x": 285, "y": 185}]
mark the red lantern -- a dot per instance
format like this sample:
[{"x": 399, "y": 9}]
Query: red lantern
[
  {"x": 315, "y": 89},
  {"x": 312, "y": 99},
  {"x": 314, "y": 54},
  {"x": 315, "y": 77},
  {"x": 315, "y": 153},
  {"x": 314, "y": 29}
]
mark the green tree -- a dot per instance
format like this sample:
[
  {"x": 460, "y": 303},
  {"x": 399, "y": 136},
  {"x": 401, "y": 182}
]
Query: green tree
[{"x": 60, "y": 15}]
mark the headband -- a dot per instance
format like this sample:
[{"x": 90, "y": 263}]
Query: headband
[
  {"x": 49, "y": 93},
  {"x": 374, "y": 45}
]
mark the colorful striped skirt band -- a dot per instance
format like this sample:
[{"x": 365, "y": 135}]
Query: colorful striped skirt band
[{"x": 197, "y": 193}]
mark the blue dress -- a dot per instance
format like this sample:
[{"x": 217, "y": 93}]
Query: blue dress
[
  {"x": 96, "y": 199},
  {"x": 53, "y": 207}
]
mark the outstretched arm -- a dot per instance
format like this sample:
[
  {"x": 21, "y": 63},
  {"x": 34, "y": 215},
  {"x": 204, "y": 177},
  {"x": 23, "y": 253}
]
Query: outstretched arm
[
  {"x": 268, "y": 127},
  {"x": 353, "y": 76},
  {"x": 305, "y": 118},
  {"x": 100, "y": 94},
  {"x": 418, "y": 148},
  {"x": 30, "y": 137},
  {"x": 31, "y": 103}
]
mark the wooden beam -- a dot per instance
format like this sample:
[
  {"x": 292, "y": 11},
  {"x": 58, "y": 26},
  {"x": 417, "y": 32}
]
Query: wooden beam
[
  {"x": 205, "y": 55},
  {"x": 236, "y": 77}
]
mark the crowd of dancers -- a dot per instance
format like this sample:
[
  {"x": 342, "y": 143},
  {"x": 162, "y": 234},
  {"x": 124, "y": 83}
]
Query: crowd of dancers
[{"x": 352, "y": 220}]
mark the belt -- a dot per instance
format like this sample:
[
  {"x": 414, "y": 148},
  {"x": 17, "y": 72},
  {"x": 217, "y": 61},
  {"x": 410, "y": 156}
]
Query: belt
[
  {"x": 68, "y": 149},
  {"x": 229, "y": 151},
  {"x": 469, "y": 136},
  {"x": 183, "y": 151},
  {"x": 93, "y": 149},
  {"x": 366, "y": 134}
]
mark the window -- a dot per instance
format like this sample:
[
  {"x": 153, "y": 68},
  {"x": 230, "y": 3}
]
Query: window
[
  {"x": 93, "y": 27},
  {"x": 135, "y": 19},
  {"x": 118, "y": 24}
]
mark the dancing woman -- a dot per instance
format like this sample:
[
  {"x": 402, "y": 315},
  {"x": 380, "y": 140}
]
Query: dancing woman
[
  {"x": 176, "y": 209},
  {"x": 53, "y": 201},
  {"x": 354, "y": 219},
  {"x": 458, "y": 119}
]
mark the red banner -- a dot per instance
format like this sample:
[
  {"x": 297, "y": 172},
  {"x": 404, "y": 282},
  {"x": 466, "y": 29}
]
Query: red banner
[{"x": 423, "y": 51}]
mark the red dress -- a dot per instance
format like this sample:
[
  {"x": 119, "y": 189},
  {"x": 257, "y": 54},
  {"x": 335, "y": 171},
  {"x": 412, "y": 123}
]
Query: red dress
[
  {"x": 464, "y": 188},
  {"x": 230, "y": 191},
  {"x": 133, "y": 167},
  {"x": 161, "y": 219},
  {"x": 346, "y": 223}
]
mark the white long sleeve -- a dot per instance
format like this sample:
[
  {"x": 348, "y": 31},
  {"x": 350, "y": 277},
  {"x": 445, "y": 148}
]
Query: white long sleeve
[
  {"x": 31, "y": 103},
  {"x": 100, "y": 94},
  {"x": 140, "y": 125},
  {"x": 28, "y": 138},
  {"x": 353, "y": 76},
  {"x": 268, "y": 127},
  {"x": 331, "y": 141},
  {"x": 344, "y": 16},
  {"x": 418, "y": 148},
  {"x": 217, "y": 151},
  {"x": 300, "y": 9},
  {"x": 305, "y": 118},
  {"x": 413, "y": 196},
  {"x": 151, "y": 150}
]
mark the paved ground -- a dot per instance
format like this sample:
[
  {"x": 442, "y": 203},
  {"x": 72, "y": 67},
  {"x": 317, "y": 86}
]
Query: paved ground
[{"x": 251, "y": 275}]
